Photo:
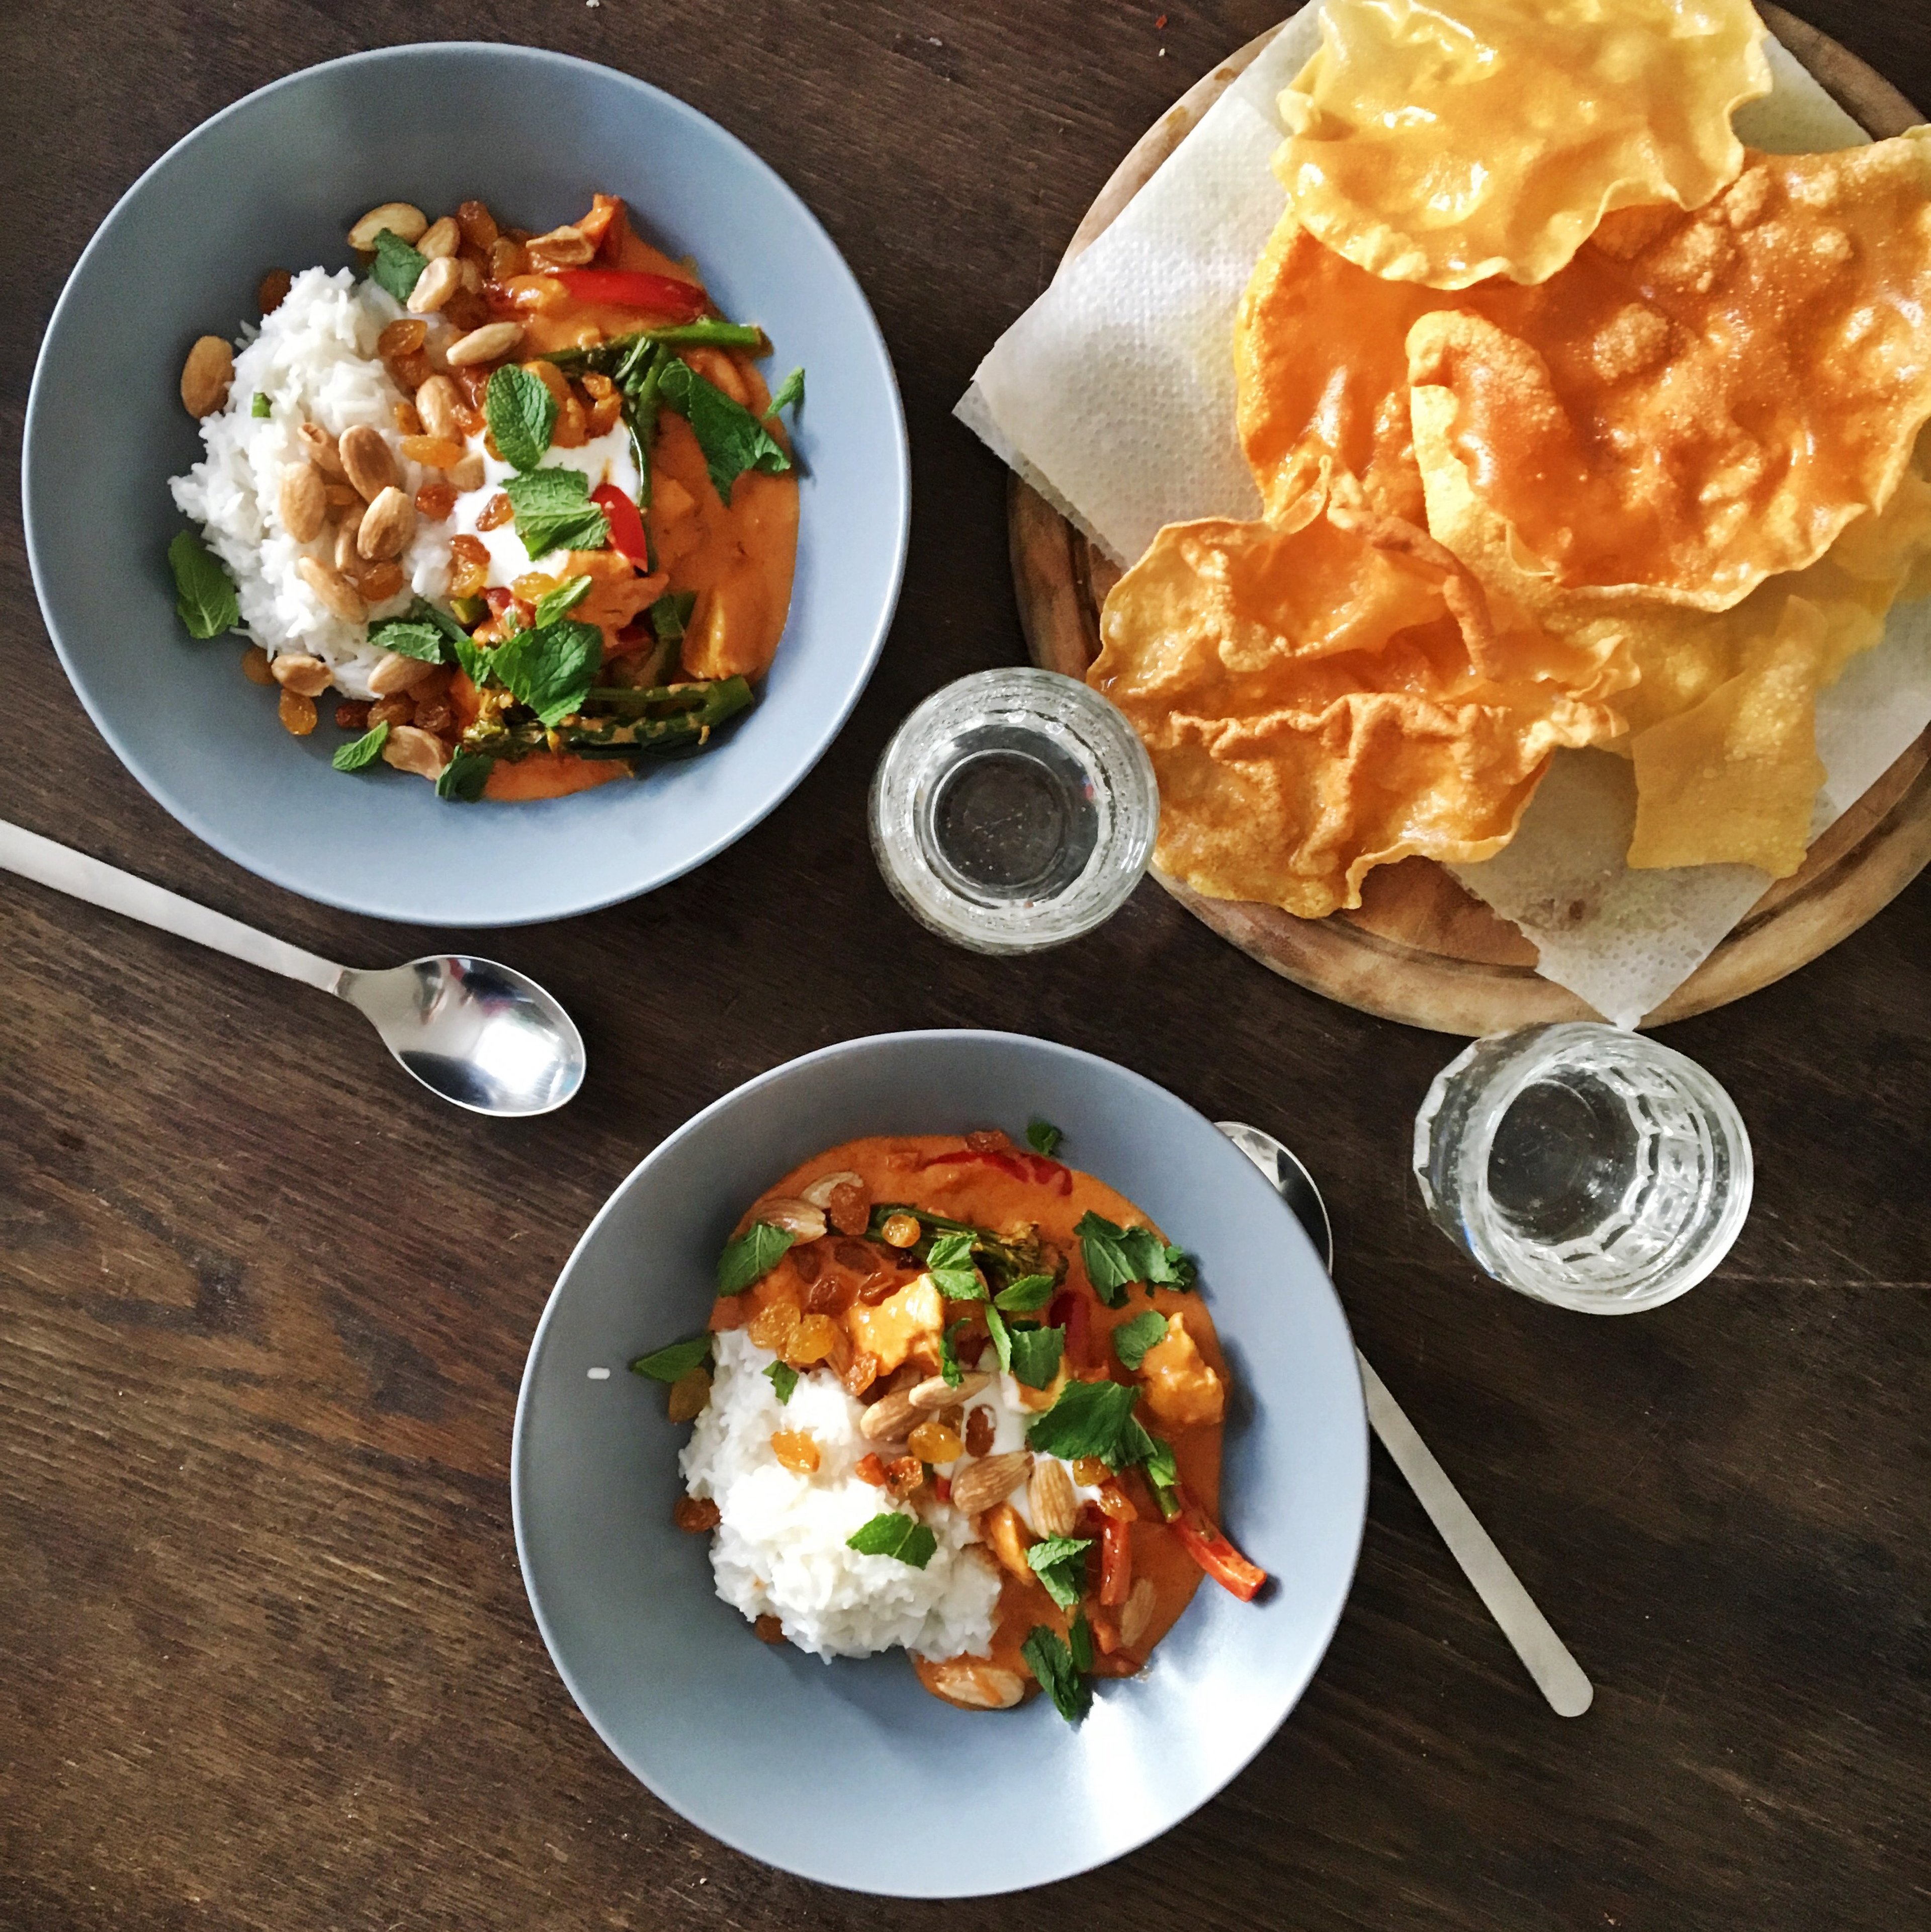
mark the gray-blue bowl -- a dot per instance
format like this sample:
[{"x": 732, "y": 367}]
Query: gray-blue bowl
[
  {"x": 848, "y": 1772},
  {"x": 275, "y": 181}
]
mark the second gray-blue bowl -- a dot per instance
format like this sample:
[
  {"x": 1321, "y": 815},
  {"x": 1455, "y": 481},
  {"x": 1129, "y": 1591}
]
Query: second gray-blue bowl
[
  {"x": 848, "y": 1772},
  {"x": 275, "y": 181}
]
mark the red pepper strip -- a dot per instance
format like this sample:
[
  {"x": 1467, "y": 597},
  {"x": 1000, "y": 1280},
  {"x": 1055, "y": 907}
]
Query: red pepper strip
[
  {"x": 626, "y": 525},
  {"x": 1116, "y": 1563},
  {"x": 942, "y": 1488},
  {"x": 659, "y": 295},
  {"x": 1028, "y": 1167},
  {"x": 1204, "y": 1542},
  {"x": 1069, "y": 1311}
]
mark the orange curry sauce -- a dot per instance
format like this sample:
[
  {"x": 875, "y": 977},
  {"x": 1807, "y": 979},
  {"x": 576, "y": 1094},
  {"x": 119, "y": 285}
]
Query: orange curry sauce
[
  {"x": 737, "y": 558},
  {"x": 883, "y": 1343}
]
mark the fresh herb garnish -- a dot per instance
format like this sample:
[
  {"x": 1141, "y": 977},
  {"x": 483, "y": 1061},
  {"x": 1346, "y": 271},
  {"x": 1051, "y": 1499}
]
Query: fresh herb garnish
[
  {"x": 1079, "y": 1641},
  {"x": 561, "y": 601},
  {"x": 1051, "y": 1662},
  {"x": 398, "y": 267},
  {"x": 791, "y": 395},
  {"x": 1060, "y": 1563},
  {"x": 672, "y": 1363},
  {"x": 261, "y": 408},
  {"x": 892, "y": 1535},
  {"x": 550, "y": 669},
  {"x": 554, "y": 512},
  {"x": 476, "y": 664},
  {"x": 751, "y": 1256},
  {"x": 365, "y": 750},
  {"x": 671, "y": 613},
  {"x": 1036, "y": 1354},
  {"x": 948, "y": 1352},
  {"x": 950, "y": 1265},
  {"x": 784, "y": 1377},
  {"x": 1132, "y": 1339},
  {"x": 424, "y": 630},
  {"x": 1092, "y": 1419},
  {"x": 521, "y": 413},
  {"x": 1028, "y": 1292},
  {"x": 1163, "y": 1474},
  {"x": 464, "y": 778},
  {"x": 1041, "y": 1136},
  {"x": 1002, "y": 1336},
  {"x": 206, "y": 599},
  {"x": 1116, "y": 1258},
  {"x": 732, "y": 439}
]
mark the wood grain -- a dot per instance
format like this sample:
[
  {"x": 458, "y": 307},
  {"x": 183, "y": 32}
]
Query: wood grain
[
  {"x": 1420, "y": 948},
  {"x": 264, "y": 1305}
]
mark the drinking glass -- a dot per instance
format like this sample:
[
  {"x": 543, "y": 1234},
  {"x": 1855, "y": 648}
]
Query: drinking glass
[
  {"x": 1583, "y": 1166},
  {"x": 1014, "y": 810}
]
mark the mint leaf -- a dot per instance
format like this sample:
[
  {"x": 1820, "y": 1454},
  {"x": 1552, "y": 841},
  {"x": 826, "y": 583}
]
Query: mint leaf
[
  {"x": 554, "y": 512},
  {"x": 1051, "y": 1663},
  {"x": 398, "y": 267},
  {"x": 261, "y": 408},
  {"x": 1036, "y": 1355},
  {"x": 670, "y": 614},
  {"x": 950, "y": 1263},
  {"x": 1079, "y": 1641},
  {"x": 1092, "y": 1419},
  {"x": 477, "y": 663},
  {"x": 1163, "y": 1474},
  {"x": 1028, "y": 1292},
  {"x": 948, "y": 1352},
  {"x": 1060, "y": 1563},
  {"x": 206, "y": 600},
  {"x": 365, "y": 750},
  {"x": 551, "y": 669},
  {"x": 791, "y": 395},
  {"x": 1041, "y": 1136},
  {"x": 411, "y": 640},
  {"x": 784, "y": 1377},
  {"x": 750, "y": 1257},
  {"x": 1002, "y": 1336},
  {"x": 1132, "y": 1339},
  {"x": 892, "y": 1535},
  {"x": 561, "y": 601},
  {"x": 732, "y": 439},
  {"x": 1116, "y": 1258},
  {"x": 671, "y": 1364},
  {"x": 464, "y": 778},
  {"x": 521, "y": 413}
]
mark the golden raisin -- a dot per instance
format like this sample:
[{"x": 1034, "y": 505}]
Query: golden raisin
[
  {"x": 497, "y": 512},
  {"x": 478, "y": 224},
  {"x": 1089, "y": 1472},
  {"x": 850, "y": 1208},
  {"x": 1114, "y": 1501},
  {"x": 433, "y": 452},
  {"x": 352, "y": 716},
  {"x": 860, "y": 1373},
  {"x": 506, "y": 258},
  {"x": 903, "y": 1474},
  {"x": 407, "y": 420},
  {"x": 255, "y": 665},
  {"x": 435, "y": 714},
  {"x": 688, "y": 1395},
  {"x": 468, "y": 566},
  {"x": 978, "y": 1431},
  {"x": 404, "y": 338},
  {"x": 696, "y": 1513},
  {"x": 297, "y": 712},
  {"x": 769, "y": 1629},
  {"x": 380, "y": 582},
  {"x": 570, "y": 431},
  {"x": 869, "y": 1469},
  {"x": 901, "y": 1230},
  {"x": 273, "y": 290},
  {"x": 773, "y": 1326},
  {"x": 797, "y": 1449},
  {"x": 812, "y": 1340},
  {"x": 399, "y": 709},
  {"x": 933, "y": 1442},
  {"x": 434, "y": 501}
]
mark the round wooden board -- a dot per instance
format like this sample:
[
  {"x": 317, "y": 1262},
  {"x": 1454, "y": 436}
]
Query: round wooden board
[{"x": 1419, "y": 949}]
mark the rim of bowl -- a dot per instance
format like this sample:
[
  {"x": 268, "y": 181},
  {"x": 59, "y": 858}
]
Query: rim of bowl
[
  {"x": 195, "y": 821},
  {"x": 1358, "y": 1510}
]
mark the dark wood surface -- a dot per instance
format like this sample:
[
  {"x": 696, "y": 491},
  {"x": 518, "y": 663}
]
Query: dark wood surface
[{"x": 263, "y": 1307}]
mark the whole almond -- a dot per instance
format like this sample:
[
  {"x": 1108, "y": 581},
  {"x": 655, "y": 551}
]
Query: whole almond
[
  {"x": 798, "y": 1218},
  {"x": 322, "y": 449},
  {"x": 396, "y": 672},
  {"x": 936, "y": 1393},
  {"x": 337, "y": 596},
  {"x": 979, "y": 1485},
  {"x": 490, "y": 343},
  {"x": 440, "y": 238},
  {"x": 294, "y": 671},
  {"x": 436, "y": 404},
  {"x": 410, "y": 750},
  {"x": 368, "y": 461},
  {"x": 404, "y": 221},
  {"x": 888, "y": 1417},
  {"x": 1136, "y": 1613},
  {"x": 347, "y": 557},
  {"x": 1055, "y": 1507},
  {"x": 434, "y": 287},
  {"x": 303, "y": 500},
  {"x": 387, "y": 524},
  {"x": 981, "y": 1686},
  {"x": 206, "y": 376}
]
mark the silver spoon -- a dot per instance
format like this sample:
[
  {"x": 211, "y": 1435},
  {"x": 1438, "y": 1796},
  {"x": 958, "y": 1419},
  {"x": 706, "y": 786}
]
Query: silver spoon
[
  {"x": 1557, "y": 1675},
  {"x": 480, "y": 1035}
]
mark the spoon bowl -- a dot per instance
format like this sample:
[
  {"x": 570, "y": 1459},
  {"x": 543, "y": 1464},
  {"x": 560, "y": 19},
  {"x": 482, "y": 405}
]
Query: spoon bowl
[{"x": 480, "y": 1035}]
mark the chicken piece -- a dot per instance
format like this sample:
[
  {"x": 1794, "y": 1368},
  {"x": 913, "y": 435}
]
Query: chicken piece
[
  {"x": 909, "y": 1322},
  {"x": 1181, "y": 1390}
]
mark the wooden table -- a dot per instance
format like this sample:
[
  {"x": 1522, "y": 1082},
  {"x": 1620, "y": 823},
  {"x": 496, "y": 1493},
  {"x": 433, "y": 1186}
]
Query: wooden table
[{"x": 264, "y": 1306}]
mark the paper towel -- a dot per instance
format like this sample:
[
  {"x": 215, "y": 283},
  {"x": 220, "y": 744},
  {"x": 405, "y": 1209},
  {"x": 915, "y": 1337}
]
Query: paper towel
[{"x": 1114, "y": 396}]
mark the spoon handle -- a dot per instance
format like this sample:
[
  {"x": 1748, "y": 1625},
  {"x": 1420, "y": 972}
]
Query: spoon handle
[
  {"x": 81, "y": 878},
  {"x": 1546, "y": 1657}
]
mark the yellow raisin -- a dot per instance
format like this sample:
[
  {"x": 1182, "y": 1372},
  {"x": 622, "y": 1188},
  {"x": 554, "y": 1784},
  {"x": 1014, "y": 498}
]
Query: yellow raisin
[
  {"x": 796, "y": 1450},
  {"x": 901, "y": 1231},
  {"x": 688, "y": 1395},
  {"x": 1089, "y": 1472},
  {"x": 497, "y": 512},
  {"x": 812, "y": 1340},
  {"x": 773, "y": 1326},
  {"x": 933, "y": 1442}
]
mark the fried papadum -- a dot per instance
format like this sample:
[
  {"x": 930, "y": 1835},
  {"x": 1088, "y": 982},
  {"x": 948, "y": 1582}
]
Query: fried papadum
[{"x": 1446, "y": 141}]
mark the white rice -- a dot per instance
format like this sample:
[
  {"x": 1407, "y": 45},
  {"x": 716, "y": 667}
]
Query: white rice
[
  {"x": 314, "y": 358},
  {"x": 780, "y": 1548}
]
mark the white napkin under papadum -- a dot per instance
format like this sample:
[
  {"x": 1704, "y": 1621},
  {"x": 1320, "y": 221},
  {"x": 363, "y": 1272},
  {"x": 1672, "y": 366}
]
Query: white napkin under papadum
[{"x": 1114, "y": 396}]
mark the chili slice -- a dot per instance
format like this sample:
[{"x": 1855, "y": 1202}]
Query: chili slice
[
  {"x": 626, "y": 525},
  {"x": 629, "y": 288},
  {"x": 1204, "y": 1541},
  {"x": 1028, "y": 1167},
  {"x": 1116, "y": 1562}
]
